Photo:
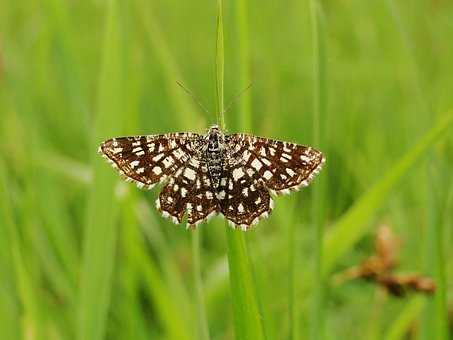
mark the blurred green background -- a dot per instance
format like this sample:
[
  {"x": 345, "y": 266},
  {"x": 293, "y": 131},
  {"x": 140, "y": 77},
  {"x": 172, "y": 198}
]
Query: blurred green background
[{"x": 86, "y": 256}]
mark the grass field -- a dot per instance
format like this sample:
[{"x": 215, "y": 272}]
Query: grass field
[{"x": 85, "y": 256}]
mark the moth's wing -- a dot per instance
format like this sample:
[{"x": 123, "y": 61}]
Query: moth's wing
[
  {"x": 147, "y": 160},
  {"x": 243, "y": 200},
  {"x": 281, "y": 166},
  {"x": 188, "y": 190}
]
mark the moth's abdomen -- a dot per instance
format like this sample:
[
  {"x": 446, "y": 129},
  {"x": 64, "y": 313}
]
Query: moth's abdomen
[{"x": 215, "y": 162}]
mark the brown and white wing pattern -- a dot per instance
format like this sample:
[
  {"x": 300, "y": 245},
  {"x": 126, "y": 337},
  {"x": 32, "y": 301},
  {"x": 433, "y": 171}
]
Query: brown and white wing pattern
[
  {"x": 189, "y": 189},
  {"x": 243, "y": 200},
  {"x": 281, "y": 166},
  {"x": 148, "y": 160},
  {"x": 258, "y": 167}
]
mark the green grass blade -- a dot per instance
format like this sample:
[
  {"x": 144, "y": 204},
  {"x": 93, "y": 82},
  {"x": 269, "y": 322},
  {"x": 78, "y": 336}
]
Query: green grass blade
[
  {"x": 26, "y": 290},
  {"x": 352, "y": 225},
  {"x": 157, "y": 289},
  {"x": 220, "y": 66},
  {"x": 245, "y": 112},
  {"x": 434, "y": 321},
  {"x": 399, "y": 327},
  {"x": 203, "y": 329},
  {"x": 247, "y": 316},
  {"x": 186, "y": 117},
  {"x": 185, "y": 110},
  {"x": 100, "y": 230},
  {"x": 318, "y": 204},
  {"x": 293, "y": 277}
]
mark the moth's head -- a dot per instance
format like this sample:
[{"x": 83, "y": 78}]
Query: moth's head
[{"x": 214, "y": 129}]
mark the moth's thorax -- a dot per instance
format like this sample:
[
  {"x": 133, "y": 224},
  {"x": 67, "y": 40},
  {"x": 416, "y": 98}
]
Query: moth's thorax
[{"x": 215, "y": 154}]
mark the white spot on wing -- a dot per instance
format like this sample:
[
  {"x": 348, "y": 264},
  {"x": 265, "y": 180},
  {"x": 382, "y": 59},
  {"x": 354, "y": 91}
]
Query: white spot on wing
[
  {"x": 246, "y": 155},
  {"x": 290, "y": 172},
  {"x": 168, "y": 161},
  {"x": 195, "y": 163},
  {"x": 178, "y": 153},
  {"x": 287, "y": 156},
  {"x": 221, "y": 195},
  {"x": 305, "y": 158},
  {"x": 257, "y": 164},
  {"x": 250, "y": 172},
  {"x": 267, "y": 174},
  {"x": 134, "y": 164},
  {"x": 158, "y": 157},
  {"x": 189, "y": 173},
  {"x": 266, "y": 161},
  {"x": 237, "y": 173}
]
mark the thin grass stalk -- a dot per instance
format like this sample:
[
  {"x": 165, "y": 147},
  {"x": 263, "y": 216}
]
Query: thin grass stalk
[
  {"x": 247, "y": 317},
  {"x": 100, "y": 231},
  {"x": 409, "y": 48},
  {"x": 440, "y": 316},
  {"x": 245, "y": 112},
  {"x": 220, "y": 67},
  {"x": 185, "y": 116},
  {"x": 434, "y": 320},
  {"x": 203, "y": 328},
  {"x": 167, "y": 302},
  {"x": 26, "y": 290},
  {"x": 293, "y": 277},
  {"x": 400, "y": 326},
  {"x": 185, "y": 110},
  {"x": 319, "y": 115}
]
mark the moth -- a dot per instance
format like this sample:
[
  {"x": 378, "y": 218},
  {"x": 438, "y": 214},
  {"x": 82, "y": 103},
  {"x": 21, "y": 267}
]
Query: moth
[{"x": 235, "y": 175}]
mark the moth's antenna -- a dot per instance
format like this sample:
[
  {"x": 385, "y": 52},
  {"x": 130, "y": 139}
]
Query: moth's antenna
[
  {"x": 195, "y": 99},
  {"x": 232, "y": 101}
]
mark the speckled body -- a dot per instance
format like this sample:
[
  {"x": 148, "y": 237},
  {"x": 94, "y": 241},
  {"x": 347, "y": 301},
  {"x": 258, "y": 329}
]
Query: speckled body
[{"x": 215, "y": 155}]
